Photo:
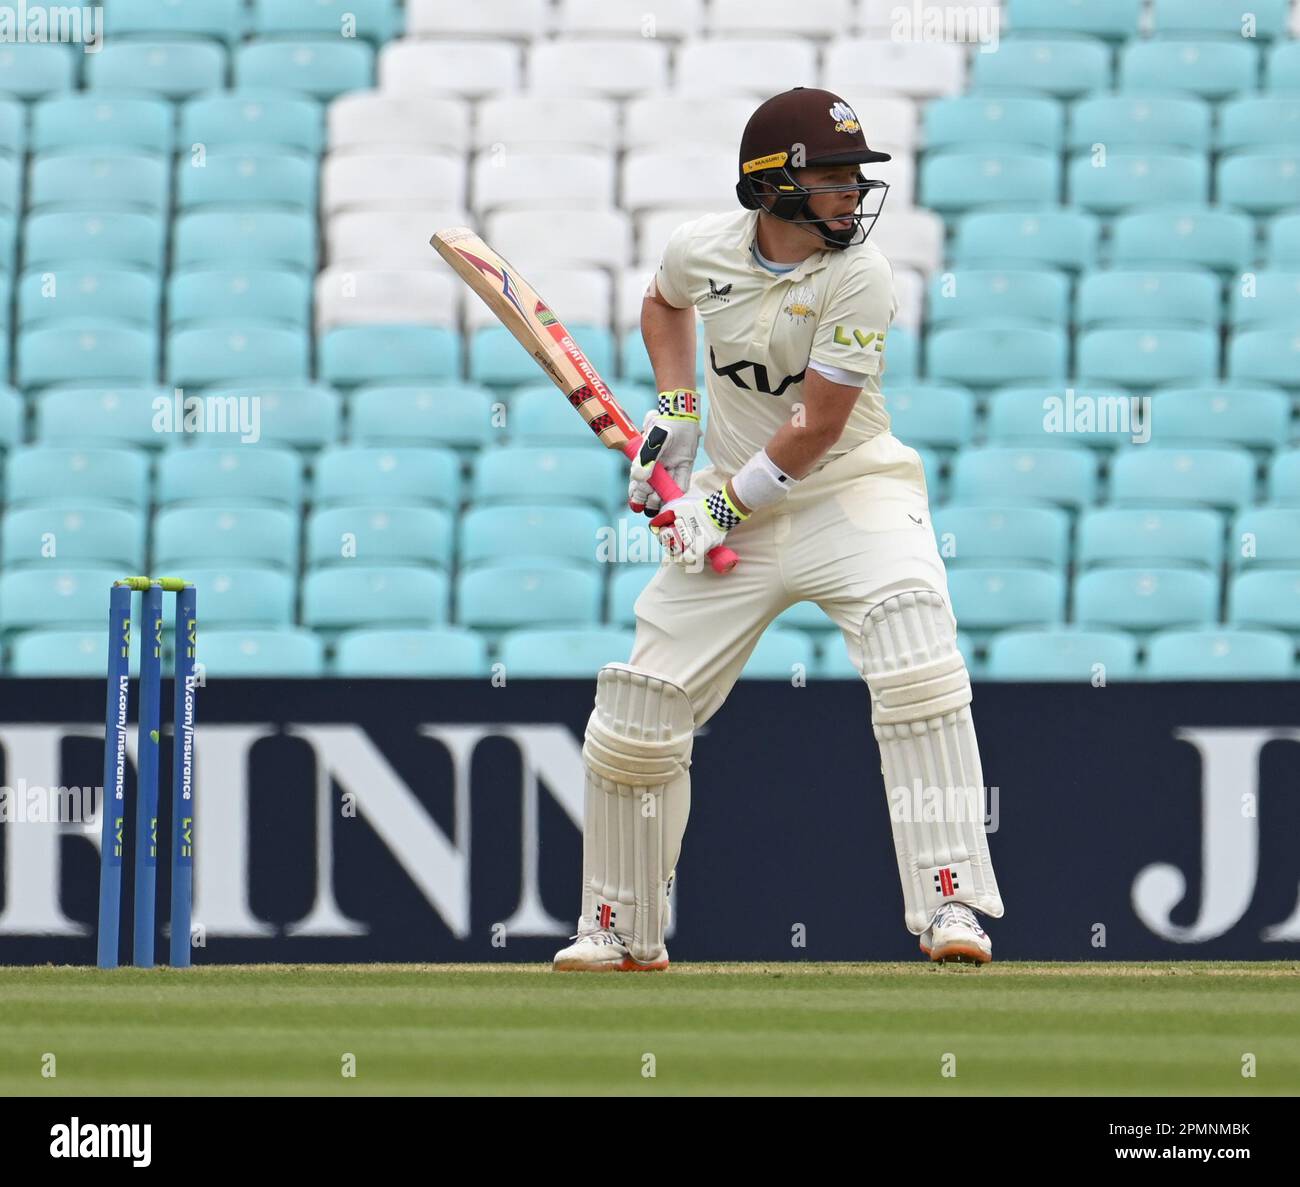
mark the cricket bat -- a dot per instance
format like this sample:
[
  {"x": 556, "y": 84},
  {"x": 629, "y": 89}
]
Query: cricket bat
[{"x": 540, "y": 332}]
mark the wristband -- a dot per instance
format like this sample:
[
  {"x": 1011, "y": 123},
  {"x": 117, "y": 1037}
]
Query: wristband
[
  {"x": 760, "y": 482},
  {"x": 723, "y": 511},
  {"x": 681, "y": 404}
]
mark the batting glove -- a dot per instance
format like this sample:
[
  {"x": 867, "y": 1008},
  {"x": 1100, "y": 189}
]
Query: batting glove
[
  {"x": 670, "y": 436},
  {"x": 690, "y": 527}
]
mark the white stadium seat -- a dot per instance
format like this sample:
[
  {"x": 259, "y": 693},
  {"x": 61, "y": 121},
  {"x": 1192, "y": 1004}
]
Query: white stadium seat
[
  {"x": 660, "y": 120},
  {"x": 613, "y": 68},
  {"x": 469, "y": 68},
  {"x": 579, "y": 296},
  {"x": 365, "y": 119},
  {"x": 541, "y": 180},
  {"x": 524, "y": 19},
  {"x": 653, "y": 227},
  {"x": 909, "y": 287},
  {"x": 899, "y": 172},
  {"x": 754, "y": 66},
  {"x": 886, "y": 119},
  {"x": 629, "y": 290},
  {"x": 346, "y": 296},
  {"x": 671, "y": 19},
  {"x": 552, "y": 120},
  {"x": 393, "y": 181},
  {"x": 910, "y": 238},
  {"x": 564, "y": 238},
  {"x": 916, "y": 68},
  {"x": 806, "y": 18},
  {"x": 389, "y": 238},
  {"x": 687, "y": 178},
  {"x": 883, "y": 18}
]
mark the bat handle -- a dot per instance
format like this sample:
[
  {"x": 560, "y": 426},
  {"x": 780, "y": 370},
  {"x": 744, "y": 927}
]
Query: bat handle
[{"x": 722, "y": 558}]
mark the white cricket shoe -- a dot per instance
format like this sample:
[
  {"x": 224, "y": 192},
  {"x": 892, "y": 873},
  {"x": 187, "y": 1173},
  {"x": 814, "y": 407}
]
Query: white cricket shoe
[
  {"x": 955, "y": 934},
  {"x": 601, "y": 951}
]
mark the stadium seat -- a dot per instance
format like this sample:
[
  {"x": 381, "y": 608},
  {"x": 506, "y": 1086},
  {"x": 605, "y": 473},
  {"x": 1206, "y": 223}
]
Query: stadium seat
[
  {"x": 1186, "y": 17},
  {"x": 563, "y": 653},
  {"x": 380, "y": 535},
  {"x": 444, "y": 414},
  {"x": 1152, "y": 477},
  {"x": 61, "y": 537},
  {"x": 495, "y": 357},
  {"x": 1147, "y": 121},
  {"x": 1207, "y": 237},
  {"x": 240, "y": 295},
  {"x": 987, "y": 598},
  {"x": 986, "y": 535},
  {"x": 250, "y": 118},
  {"x": 464, "y": 68},
  {"x": 1273, "y": 299},
  {"x": 355, "y": 595},
  {"x": 1164, "y": 536},
  {"x": 12, "y": 415},
  {"x": 96, "y": 417},
  {"x": 38, "y": 71},
  {"x": 1255, "y": 417},
  {"x": 233, "y": 177},
  {"x": 1154, "y": 298},
  {"x": 625, "y": 587},
  {"x": 1144, "y": 358},
  {"x": 1282, "y": 67},
  {"x": 1220, "y": 654},
  {"x": 1265, "y": 537},
  {"x": 75, "y": 477},
  {"x": 1038, "y": 416},
  {"x": 966, "y": 120},
  {"x": 535, "y": 533},
  {"x": 1255, "y": 121},
  {"x": 996, "y": 475},
  {"x": 447, "y": 652},
  {"x": 781, "y": 655},
  {"x": 231, "y": 477},
  {"x": 977, "y": 295},
  {"x": 1044, "y": 236},
  {"x": 1284, "y": 477},
  {"x": 1147, "y": 598},
  {"x": 282, "y": 653},
  {"x": 242, "y": 596},
  {"x": 87, "y": 350},
  {"x": 353, "y": 355},
  {"x": 90, "y": 121},
  {"x": 387, "y": 476},
  {"x": 13, "y": 125},
  {"x": 953, "y": 182},
  {"x": 43, "y": 596},
  {"x": 1270, "y": 355},
  {"x": 375, "y": 20},
  {"x": 1137, "y": 176},
  {"x": 89, "y": 292},
  {"x": 712, "y": 66},
  {"x": 219, "y": 20},
  {"x": 186, "y": 537},
  {"x": 323, "y": 67},
  {"x": 66, "y": 652},
  {"x": 1267, "y": 598},
  {"x": 1210, "y": 69},
  {"x": 1063, "y": 67},
  {"x": 246, "y": 238},
  {"x": 305, "y": 416},
  {"x": 941, "y": 416},
  {"x": 171, "y": 69},
  {"x": 514, "y": 474},
  {"x": 505, "y": 596},
  {"x": 1262, "y": 180},
  {"x": 986, "y": 356},
  {"x": 120, "y": 179},
  {"x": 237, "y": 353},
  {"x": 1062, "y": 654}
]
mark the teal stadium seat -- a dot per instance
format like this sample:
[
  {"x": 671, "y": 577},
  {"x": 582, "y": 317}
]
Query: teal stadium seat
[
  {"x": 44, "y": 596},
  {"x": 284, "y": 653},
  {"x": 1282, "y": 67},
  {"x": 902, "y": 358},
  {"x": 1263, "y": 180},
  {"x": 237, "y": 353},
  {"x": 242, "y": 596},
  {"x": 1153, "y": 477},
  {"x": 97, "y": 416},
  {"x": 357, "y": 354},
  {"x": 513, "y": 474},
  {"x": 252, "y": 118},
  {"x": 305, "y": 416},
  {"x": 206, "y": 537},
  {"x": 1145, "y": 598},
  {"x": 1128, "y": 121},
  {"x": 1163, "y": 536},
  {"x": 496, "y": 358},
  {"x": 965, "y": 120},
  {"x": 321, "y": 67},
  {"x": 233, "y": 477},
  {"x": 72, "y": 537},
  {"x": 634, "y": 363},
  {"x": 171, "y": 69},
  {"x": 256, "y": 177},
  {"x": 540, "y": 415},
  {"x": 380, "y": 535},
  {"x": 1265, "y": 537},
  {"x": 994, "y": 597},
  {"x": 497, "y": 597},
  {"x": 1137, "y": 176},
  {"x": 245, "y": 239},
  {"x": 87, "y": 349},
  {"x": 63, "y": 477},
  {"x": 1220, "y": 654},
  {"x": 240, "y": 295},
  {"x": 1037, "y": 416},
  {"x": 76, "y": 239},
  {"x": 1004, "y": 535},
  {"x": 1266, "y": 356},
  {"x": 67, "y": 652},
  {"x": 35, "y": 71},
  {"x": 96, "y": 292},
  {"x": 12, "y": 414},
  {"x": 13, "y": 126},
  {"x": 933, "y": 415},
  {"x": 220, "y": 20},
  {"x": 1109, "y": 19},
  {"x": 387, "y": 476},
  {"x": 1255, "y": 121},
  {"x": 977, "y": 295},
  {"x": 1061, "y": 66},
  {"x": 460, "y": 415},
  {"x": 1209, "y": 68},
  {"x": 1044, "y": 236},
  {"x": 577, "y": 652},
  {"x": 781, "y": 655},
  {"x": 953, "y": 182},
  {"x": 1284, "y": 477},
  {"x": 1267, "y": 598},
  {"x": 1144, "y": 358},
  {"x": 1184, "y": 17},
  {"x": 376, "y": 20},
  {"x": 99, "y": 122},
  {"x": 341, "y": 596},
  {"x": 541, "y": 532},
  {"x": 998, "y": 474},
  {"x": 120, "y": 180},
  {"x": 1273, "y": 301},
  {"x": 1202, "y": 236},
  {"x": 988, "y": 356},
  {"x": 8, "y": 254},
  {"x": 448, "y": 652},
  {"x": 1065, "y": 654},
  {"x": 1258, "y": 418},
  {"x": 11, "y": 184},
  {"x": 1151, "y": 298}
]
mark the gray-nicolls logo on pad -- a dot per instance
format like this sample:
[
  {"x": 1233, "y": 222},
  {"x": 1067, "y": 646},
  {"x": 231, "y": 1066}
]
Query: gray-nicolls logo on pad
[{"x": 90, "y": 1139}]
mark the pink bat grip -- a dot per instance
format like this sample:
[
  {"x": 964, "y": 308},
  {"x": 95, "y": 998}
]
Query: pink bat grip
[{"x": 721, "y": 558}]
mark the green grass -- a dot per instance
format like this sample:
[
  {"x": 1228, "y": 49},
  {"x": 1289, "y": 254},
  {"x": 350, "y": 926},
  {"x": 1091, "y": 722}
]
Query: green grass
[{"x": 1038, "y": 1029}]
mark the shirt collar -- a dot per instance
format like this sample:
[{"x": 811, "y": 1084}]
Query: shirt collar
[{"x": 745, "y": 242}]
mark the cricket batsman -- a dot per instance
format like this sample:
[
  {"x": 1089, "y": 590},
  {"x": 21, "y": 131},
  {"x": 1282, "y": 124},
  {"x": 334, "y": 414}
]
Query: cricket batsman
[{"x": 821, "y": 502}]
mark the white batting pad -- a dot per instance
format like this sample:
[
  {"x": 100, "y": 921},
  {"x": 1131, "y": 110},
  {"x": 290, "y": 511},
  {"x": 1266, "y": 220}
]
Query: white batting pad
[
  {"x": 920, "y": 709},
  {"x": 638, "y": 754}
]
